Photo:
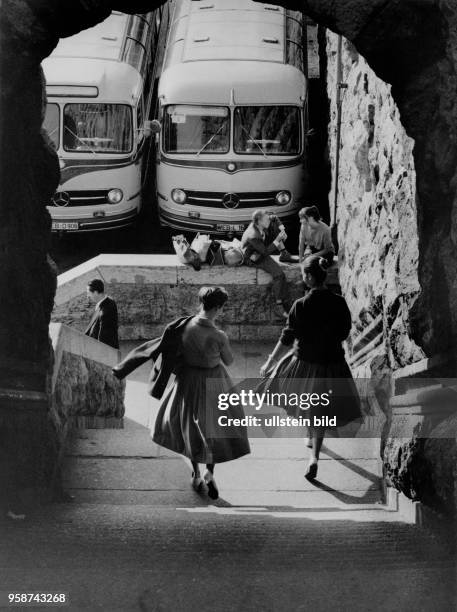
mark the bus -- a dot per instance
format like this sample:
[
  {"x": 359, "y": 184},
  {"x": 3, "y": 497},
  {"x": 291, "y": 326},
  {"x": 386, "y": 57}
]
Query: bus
[
  {"x": 100, "y": 97},
  {"x": 232, "y": 101}
]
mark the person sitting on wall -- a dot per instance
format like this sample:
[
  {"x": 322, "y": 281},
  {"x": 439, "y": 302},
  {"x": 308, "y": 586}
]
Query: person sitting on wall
[
  {"x": 315, "y": 235},
  {"x": 258, "y": 253},
  {"x": 104, "y": 323},
  {"x": 276, "y": 226}
]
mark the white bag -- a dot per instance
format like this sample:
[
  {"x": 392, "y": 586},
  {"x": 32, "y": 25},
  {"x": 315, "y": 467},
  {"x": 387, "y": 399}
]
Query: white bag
[
  {"x": 200, "y": 244},
  {"x": 184, "y": 252},
  {"x": 232, "y": 252}
]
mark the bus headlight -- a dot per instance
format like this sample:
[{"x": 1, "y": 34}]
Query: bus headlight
[
  {"x": 115, "y": 196},
  {"x": 283, "y": 198},
  {"x": 179, "y": 196}
]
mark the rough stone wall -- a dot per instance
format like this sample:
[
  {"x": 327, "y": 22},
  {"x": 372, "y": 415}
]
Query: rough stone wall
[
  {"x": 29, "y": 174},
  {"x": 149, "y": 297},
  {"x": 376, "y": 204},
  {"x": 412, "y": 45},
  {"x": 86, "y": 388}
]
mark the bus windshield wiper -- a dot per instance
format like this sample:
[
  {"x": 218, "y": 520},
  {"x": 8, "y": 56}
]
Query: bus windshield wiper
[
  {"x": 212, "y": 138},
  {"x": 251, "y": 139}
]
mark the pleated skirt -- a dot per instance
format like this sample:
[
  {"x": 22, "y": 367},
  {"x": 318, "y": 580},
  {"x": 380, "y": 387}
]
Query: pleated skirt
[
  {"x": 332, "y": 381},
  {"x": 187, "y": 422}
]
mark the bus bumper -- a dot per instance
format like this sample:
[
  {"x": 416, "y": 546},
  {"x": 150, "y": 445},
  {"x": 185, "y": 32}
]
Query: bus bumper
[
  {"x": 212, "y": 226},
  {"x": 95, "y": 224}
]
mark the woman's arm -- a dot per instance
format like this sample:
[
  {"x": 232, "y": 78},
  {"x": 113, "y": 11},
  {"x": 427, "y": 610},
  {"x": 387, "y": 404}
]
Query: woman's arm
[
  {"x": 278, "y": 353},
  {"x": 226, "y": 351},
  {"x": 288, "y": 335}
]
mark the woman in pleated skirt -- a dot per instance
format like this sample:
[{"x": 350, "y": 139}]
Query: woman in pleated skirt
[
  {"x": 316, "y": 327},
  {"x": 187, "y": 422}
]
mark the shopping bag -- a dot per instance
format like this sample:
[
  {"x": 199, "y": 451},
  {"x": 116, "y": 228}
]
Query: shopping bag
[
  {"x": 200, "y": 244},
  {"x": 184, "y": 252},
  {"x": 232, "y": 252}
]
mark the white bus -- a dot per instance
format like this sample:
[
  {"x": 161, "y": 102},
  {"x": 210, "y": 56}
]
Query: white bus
[
  {"x": 100, "y": 88},
  {"x": 232, "y": 108}
]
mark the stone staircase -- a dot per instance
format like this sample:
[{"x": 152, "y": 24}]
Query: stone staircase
[
  {"x": 111, "y": 466},
  {"x": 138, "y": 538}
]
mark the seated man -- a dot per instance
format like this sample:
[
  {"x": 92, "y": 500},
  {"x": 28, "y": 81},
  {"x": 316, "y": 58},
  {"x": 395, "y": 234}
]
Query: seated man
[
  {"x": 315, "y": 235},
  {"x": 276, "y": 226},
  {"x": 258, "y": 253}
]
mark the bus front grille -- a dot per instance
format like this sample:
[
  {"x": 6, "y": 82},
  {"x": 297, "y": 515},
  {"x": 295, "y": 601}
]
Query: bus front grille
[
  {"x": 212, "y": 199},
  {"x": 66, "y": 199}
]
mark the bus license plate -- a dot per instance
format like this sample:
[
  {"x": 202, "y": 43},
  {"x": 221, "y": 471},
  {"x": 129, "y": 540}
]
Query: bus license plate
[
  {"x": 221, "y": 227},
  {"x": 64, "y": 226}
]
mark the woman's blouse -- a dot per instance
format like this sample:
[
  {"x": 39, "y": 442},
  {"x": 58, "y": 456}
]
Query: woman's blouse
[
  {"x": 318, "y": 323},
  {"x": 204, "y": 345}
]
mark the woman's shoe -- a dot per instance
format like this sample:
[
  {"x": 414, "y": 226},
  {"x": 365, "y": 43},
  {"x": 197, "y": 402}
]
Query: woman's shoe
[
  {"x": 309, "y": 443},
  {"x": 197, "y": 483},
  {"x": 213, "y": 491},
  {"x": 311, "y": 472}
]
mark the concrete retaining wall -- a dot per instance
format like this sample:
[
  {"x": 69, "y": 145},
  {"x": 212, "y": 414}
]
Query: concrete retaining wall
[{"x": 152, "y": 290}]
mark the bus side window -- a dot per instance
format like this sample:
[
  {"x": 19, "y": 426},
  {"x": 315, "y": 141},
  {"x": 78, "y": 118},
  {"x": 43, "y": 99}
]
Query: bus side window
[{"x": 295, "y": 40}]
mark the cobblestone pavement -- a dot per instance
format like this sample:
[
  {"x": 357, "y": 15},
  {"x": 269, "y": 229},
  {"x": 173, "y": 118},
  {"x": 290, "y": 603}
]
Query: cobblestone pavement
[{"x": 138, "y": 538}]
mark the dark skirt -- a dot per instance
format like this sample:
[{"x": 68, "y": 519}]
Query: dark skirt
[
  {"x": 187, "y": 422},
  {"x": 295, "y": 376}
]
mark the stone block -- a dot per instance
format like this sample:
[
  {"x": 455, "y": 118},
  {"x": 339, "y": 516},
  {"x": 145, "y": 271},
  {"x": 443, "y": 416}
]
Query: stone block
[{"x": 82, "y": 382}]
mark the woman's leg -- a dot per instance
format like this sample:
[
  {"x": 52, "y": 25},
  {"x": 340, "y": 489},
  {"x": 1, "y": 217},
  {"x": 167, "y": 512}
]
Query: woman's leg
[
  {"x": 213, "y": 491},
  {"x": 195, "y": 469},
  {"x": 317, "y": 438},
  {"x": 197, "y": 481}
]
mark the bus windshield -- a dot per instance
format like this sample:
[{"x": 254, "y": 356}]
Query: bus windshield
[
  {"x": 98, "y": 128},
  {"x": 267, "y": 130},
  {"x": 52, "y": 123},
  {"x": 196, "y": 129}
]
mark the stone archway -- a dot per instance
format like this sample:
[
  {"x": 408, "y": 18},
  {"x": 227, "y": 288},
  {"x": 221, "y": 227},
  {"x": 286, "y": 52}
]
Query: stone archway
[{"x": 409, "y": 43}]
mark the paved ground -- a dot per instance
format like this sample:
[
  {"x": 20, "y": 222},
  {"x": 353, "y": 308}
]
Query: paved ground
[{"x": 138, "y": 538}]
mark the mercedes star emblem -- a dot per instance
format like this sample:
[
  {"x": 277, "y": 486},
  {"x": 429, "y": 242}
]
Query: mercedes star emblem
[
  {"x": 231, "y": 200},
  {"x": 61, "y": 198}
]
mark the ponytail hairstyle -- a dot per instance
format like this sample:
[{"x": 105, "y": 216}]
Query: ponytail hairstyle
[{"x": 317, "y": 267}]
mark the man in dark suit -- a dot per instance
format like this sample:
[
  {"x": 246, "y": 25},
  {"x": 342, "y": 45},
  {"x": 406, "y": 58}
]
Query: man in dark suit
[
  {"x": 104, "y": 323},
  {"x": 258, "y": 253}
]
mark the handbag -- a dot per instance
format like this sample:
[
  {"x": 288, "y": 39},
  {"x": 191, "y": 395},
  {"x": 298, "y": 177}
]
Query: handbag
[
  {"x": 200, "y": 244},
  {"x": 184, "y": 252},
  {"x": 215, "y": 256}
]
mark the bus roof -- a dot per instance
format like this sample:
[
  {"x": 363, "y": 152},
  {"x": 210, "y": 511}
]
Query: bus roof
[
  {"x": 107, "y": 61},
  {"x": 226, "y": 30},
  {"x": 224, "y": 82},
  {"x": 94, "y": 79},
  {"x": 103, "y": 41}
]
